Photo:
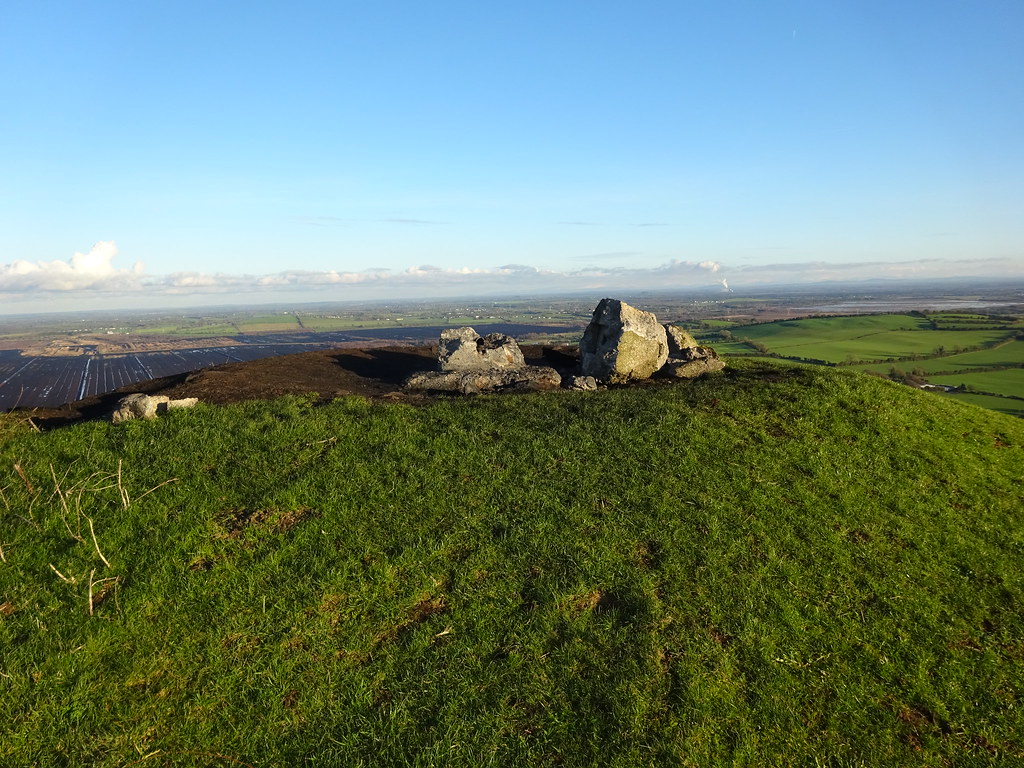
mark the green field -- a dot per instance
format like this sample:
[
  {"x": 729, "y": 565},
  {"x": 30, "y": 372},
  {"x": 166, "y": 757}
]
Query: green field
[
  {"x": 1001, "y": 404},
  {"x": 892, "y": 345},
  {"x": 268, "y": 323},
  {"x": 776, "y": 566},
  {"x": 315, "y": 323},
  {"x": 729, "y": 347},
  {"x": 944, "y": 320},
  {"x": 1009, "y": 381},
  {"x": 871, "y": 337},
  {"x": 888, "y": 338},
  {"x": 215, "y": 329},
  {"x": 1011, "y": 353}
]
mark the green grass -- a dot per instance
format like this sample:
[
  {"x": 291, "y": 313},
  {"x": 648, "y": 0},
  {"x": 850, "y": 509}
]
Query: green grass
[
  {"x": 212, "y": 329},
  {"x": 779, "y": 566},
  {"x": 278, "y": 324},
  {"x": 1009, "y": 381},
  {"x": 1001, "y": 404},
  {"x": 732, "y": 348},
  {"x": 865, "y": 337},
  {"x": 312, "y": 323},
  {"x": 1009, "y": 354}
]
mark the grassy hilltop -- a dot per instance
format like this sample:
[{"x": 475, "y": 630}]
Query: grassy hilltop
[{"x": 777, "y": 566}]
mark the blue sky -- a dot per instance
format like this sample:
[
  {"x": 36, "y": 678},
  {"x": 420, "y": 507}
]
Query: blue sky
[{"x": 267, "y": 151}]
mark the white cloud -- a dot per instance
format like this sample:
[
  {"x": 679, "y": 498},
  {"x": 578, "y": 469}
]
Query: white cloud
[
  {"x": 92, "y": 271},
  {"x": 95, "y": 275}
]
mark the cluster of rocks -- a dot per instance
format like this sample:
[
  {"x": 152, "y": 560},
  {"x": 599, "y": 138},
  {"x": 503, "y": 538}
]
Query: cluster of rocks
[
  {"x": 620, "y": 344},
  {"x": 471, "y": 363},
  {"x": 140, "y": 406}
]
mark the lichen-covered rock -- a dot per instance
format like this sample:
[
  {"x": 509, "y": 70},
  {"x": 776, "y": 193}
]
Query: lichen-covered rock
[
  {"x": 691, "y": 369},
  {"x": 140, "y": 406},
  {"x": 622, "y": 343},
  {"x": 524, "y": 379},
  {"x": 463, "y": 349},
  {"x": 680, "y": 342},
  {"x": 184, "y": 402},
  {"x": 434, "y": 381},
  {"x": 582, "y": 383}
]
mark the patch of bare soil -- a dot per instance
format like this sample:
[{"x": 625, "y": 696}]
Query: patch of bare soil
[{"x": 376, "y": 373}]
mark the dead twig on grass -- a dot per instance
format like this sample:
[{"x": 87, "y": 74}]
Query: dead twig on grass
[
  {"x": 62, "y": 576},
  {"x": 96, "y": 543},
  {"x": 120, "y": 488},
  {"x": 24, "y": 478},
  {"x": 161, "y": 485},
  {"x": 65, "y": 508}
]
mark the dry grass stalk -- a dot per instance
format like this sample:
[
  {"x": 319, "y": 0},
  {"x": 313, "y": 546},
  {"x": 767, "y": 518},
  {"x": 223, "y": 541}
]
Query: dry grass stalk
[
  {"x": 65, "y": 508},
  {"x": 62, "y": 576},
  {"x": 161, "y": 485},
  {"x": 24, "y": 478},
  {"x": 120, "y": 488},
  {"x": 96, "y": 543}
]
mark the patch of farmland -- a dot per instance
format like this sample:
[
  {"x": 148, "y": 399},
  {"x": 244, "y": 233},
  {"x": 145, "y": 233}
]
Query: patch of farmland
[
  {"x": 343, "y": 323},
  {"x": 811, "y": 330},
  {"x": 278, "y": 326},
  {"x": 873, "y": 337},
  {"x": 1008, "y": 354},
  {"x": 1009, "y": 381},
  {"x": 889, "y": 345},
  {"x": 214, "y": 329},
  {"x": 992, "y": 403},
  {"x": 732, "y": 348}
]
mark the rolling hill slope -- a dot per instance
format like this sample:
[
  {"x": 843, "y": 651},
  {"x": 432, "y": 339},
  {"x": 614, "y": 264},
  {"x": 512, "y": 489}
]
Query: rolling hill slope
[{"x": 776, "y": 566}]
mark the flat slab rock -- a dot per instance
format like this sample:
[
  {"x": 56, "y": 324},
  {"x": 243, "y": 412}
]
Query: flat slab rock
[
  {"x": 691, "y": 369},
  {"x": 525, "y": 379}
]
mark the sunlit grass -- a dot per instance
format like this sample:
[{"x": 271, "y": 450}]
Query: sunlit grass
[{"x": 772, "y": 567}]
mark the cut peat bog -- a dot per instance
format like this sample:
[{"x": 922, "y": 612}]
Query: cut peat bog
[{"x": 773, "y": 565}]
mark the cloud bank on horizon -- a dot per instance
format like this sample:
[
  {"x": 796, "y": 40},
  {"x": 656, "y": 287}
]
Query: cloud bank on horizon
[{"x": 95, "y": 275}]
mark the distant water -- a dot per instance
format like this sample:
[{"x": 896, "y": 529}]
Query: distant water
[{"x": 902, "y": 305}]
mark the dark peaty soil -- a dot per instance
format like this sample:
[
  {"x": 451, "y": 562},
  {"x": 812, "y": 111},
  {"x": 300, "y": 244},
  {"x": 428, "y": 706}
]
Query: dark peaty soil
[{"x": 376, "y": 373}]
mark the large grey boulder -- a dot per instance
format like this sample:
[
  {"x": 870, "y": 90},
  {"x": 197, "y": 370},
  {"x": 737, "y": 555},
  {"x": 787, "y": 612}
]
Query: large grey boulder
[
  {"x": 524, "y": 379},
  {"x": 139, "y": 406},
  {"x": 463, "y": 349},
  {"x": 622, "y": 343}
]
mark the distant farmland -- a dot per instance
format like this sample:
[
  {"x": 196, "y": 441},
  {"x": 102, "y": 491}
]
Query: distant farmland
[{"x": 982, "y": 356}]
